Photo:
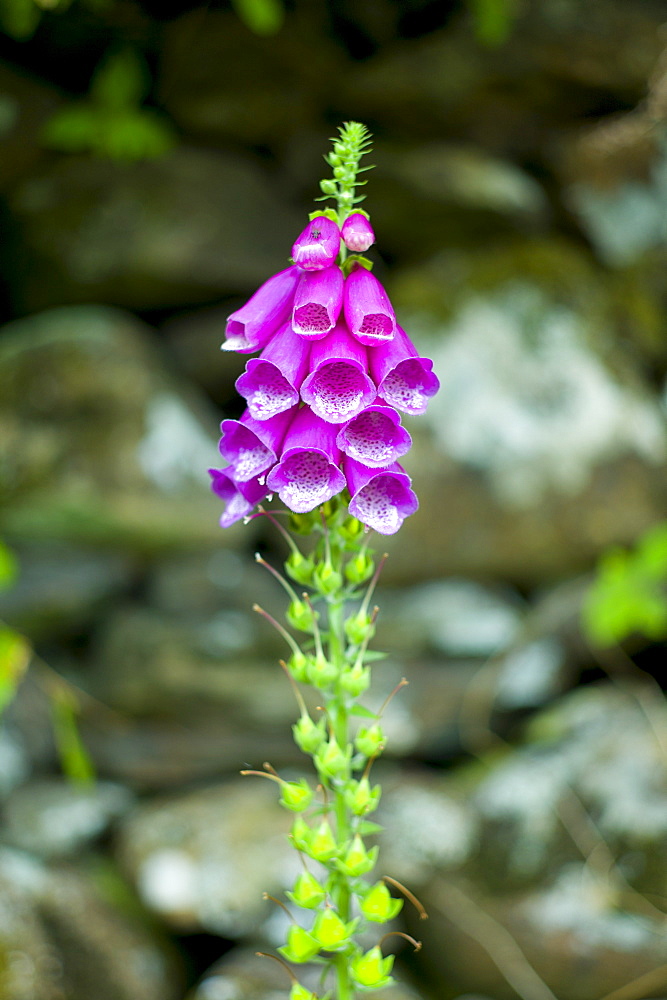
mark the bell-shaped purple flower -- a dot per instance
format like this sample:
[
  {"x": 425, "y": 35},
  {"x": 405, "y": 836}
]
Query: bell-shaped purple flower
[
  {"x": 271, "y": 382},
  {"x": 318, "y": 302},
  {"x": 307, "y": 473},
  {"x": 374, "y": 437},
  {"x": 404, "y": 380},
  {"x": 240, "y": 498},
  {"x": 338, "y": 387},
  {"x": 357, "y": 233},
  {"x": 318, "y": 244},
  {"x": 251, "y": 327},
  {"x": 252, "y": 446},
  {"x": 380, "y": 498},
  {"x": 368, "y": 311}
]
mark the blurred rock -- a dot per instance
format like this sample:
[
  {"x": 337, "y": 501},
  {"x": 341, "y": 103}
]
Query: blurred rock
[
  {"x": 550, "y": 444},
  {"x": 54, "y": 818},
  {"x": 100, "y": 442},
  {"x": 203, "y": 859},
  {"x": 189, "y": 227},
  {"x": 60, "y": 938}
]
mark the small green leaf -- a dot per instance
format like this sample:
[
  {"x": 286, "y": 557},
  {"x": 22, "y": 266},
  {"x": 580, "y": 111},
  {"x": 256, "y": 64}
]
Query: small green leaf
[
  {"x": 121, "y": 81},
  {"x": 74, "y": 758},
  {"x": 73, "y": 129},
  {"x": 8, "y": 567},
  {"x": 15, "y": 654},
  {"x": 366, "y": 828},
  {"x": 263, "y": 17},
  {"x": 373, "y": 655},
  {"x": 493, "y": 20},
  {"x": 364, "y": 713}
]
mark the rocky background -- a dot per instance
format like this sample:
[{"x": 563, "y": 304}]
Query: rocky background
[{"x": 520, "y": 203}]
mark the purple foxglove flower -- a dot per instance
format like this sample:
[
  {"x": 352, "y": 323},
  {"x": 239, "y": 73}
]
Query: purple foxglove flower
[
  {"x": 240, "y": 498},
  {"x": 338, "y": 387},
  {"x": 307, "y": 473},
  {"x": 404, "y": 380},
  {"x": 374, "y": 437},
  {"x": 357, "y": 233},
  {"x": 271, "y": 382},
  {"x": 318, "y": 244},
  {"x": 381, "y": 498},
  {"x": 368, "y": 311},
  {"x": 251, "y": 327},
  {"x": 318, "y": 302},
  {"x": 252, "y": 446}
]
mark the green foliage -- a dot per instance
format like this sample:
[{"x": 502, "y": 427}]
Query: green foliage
[
  {"x": 74, "y": 758},
  {"x": 110, "y": 123},
  {"x": 20, "y": 18},
  {"x": 493, "y": 20},
  {"x": 263, "y": 17},
  {"x": 629, "y": 593}
]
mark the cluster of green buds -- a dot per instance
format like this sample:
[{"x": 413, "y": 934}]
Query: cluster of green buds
[{"x": 331, "y": 828}]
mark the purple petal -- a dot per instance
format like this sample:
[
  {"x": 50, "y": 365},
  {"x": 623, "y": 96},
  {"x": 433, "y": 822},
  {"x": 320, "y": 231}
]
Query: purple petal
[
  {"x": 357, "y": 233},
  {"x": 338, "y": 387},
  {"x": 252, "y": 326},
  {"x": 318, "y": 302},
  {"x": 252, "y": 446},
  {"x": 368, "y": 311},
  {"x": 240, "y": 498},
  {"x": 404, "y": 380},
  {"x": 271, "y": 383},
  {"x": 374, "y": 437},
  {"x": 382, "y": 498},
  {"x": 307, "y": 473},
  {"x": 318, "y": 244}
]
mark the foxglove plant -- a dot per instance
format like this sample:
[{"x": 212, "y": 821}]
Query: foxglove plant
[{"x": 322, "y": 431}]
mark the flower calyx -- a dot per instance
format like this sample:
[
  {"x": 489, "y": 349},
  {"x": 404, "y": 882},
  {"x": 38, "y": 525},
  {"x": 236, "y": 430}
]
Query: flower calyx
[
  {"x": 331, "y": 760},
  {"x": 371, "y": 969},
  {"x": 358, "y": 860},
  {"x": 379, "y": 905},
  {"x": 301, "y": 945},
  {"x": 307, "y": 892},
  {"x": 331, "y": 931},
  {"x": 360, "y": 798},
  {"x": 370, "y": 740},
  {"x": 296, "y": 795}
]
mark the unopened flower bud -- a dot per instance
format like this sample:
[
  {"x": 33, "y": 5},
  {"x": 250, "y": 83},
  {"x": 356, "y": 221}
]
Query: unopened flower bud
[
  {"x": 359, "y": 568},
  {"x": 326, "y": 579},
  {"x": 359, "y": 628},
  {"x": 300, "y": 568},
  {"x": 328, "y": 186},
  {"x": 321, "y": 672},
  {"x": 370, "y": 740},
  {"x": 308, "y": 735},
  {"x": 371, "y": 969},
  {"x": 332, "y": 932},
  {"x": 300, "y": 834},
  {"x": 301, "y": 616},
  {"x": 356, "y": 681},
  {"x": 379, "y": 905},
  {"x": 330, "y": 760},
  {"x": 357, "y": 233},
  {"x": 307, "y": 892},
  {"x": 318, "y": 244},
  {"x": 322, "y": 845},
  {"x": 296, "y": 795},
  {"x": 360, "y": 798},
  {"x": 358, "y": 860},
  {"x": 301, "y": 946}
]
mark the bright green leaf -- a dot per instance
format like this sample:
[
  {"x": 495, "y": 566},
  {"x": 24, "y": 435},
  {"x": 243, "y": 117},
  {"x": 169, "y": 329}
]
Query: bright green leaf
[
  {"x": 263, "y": 17},
  {"x": 14, "y": 659},
  {"x": 121, "y": 81}
]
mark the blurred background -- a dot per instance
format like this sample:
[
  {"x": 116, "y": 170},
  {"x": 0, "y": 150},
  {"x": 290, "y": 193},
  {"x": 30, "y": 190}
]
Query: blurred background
[{"x": 157, "y": 162}]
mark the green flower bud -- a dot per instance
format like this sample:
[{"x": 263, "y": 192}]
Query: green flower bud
[
  {"x": 301, "y": 946},
  {"x": 327, "y": 186},
  {"x": 307, "y": 892},
  {"x": 330, "y": 760},
  {"x": 332, "y": 932},
  {"x": 379, "y": 905},
  {"x": 351, "y": 529},
  {"x": 359, "y": 568},
  {"x": 371, "y": 969},
  {"x": 301, "y": 616},
  {"x": 322, "y": 845},
  {"x": 356, "y": 681},
  {"x": 299, "y": 992},
  {"x": 300, "y": 568},
  {"x": 370, "y": 740},
  {"x": 358, "y": 860},
  {"x": 321, "y": 673},
  {"x": 300, "y": 834},
  {"x": 296, "y": 795},
  {"x": 326, "y": 579},
  {"x": 360, "y": 798},
  {"x": 309, "y": 735},
  {"x": 359, "y": 627},
  {"x": 298, "y": 666}
]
